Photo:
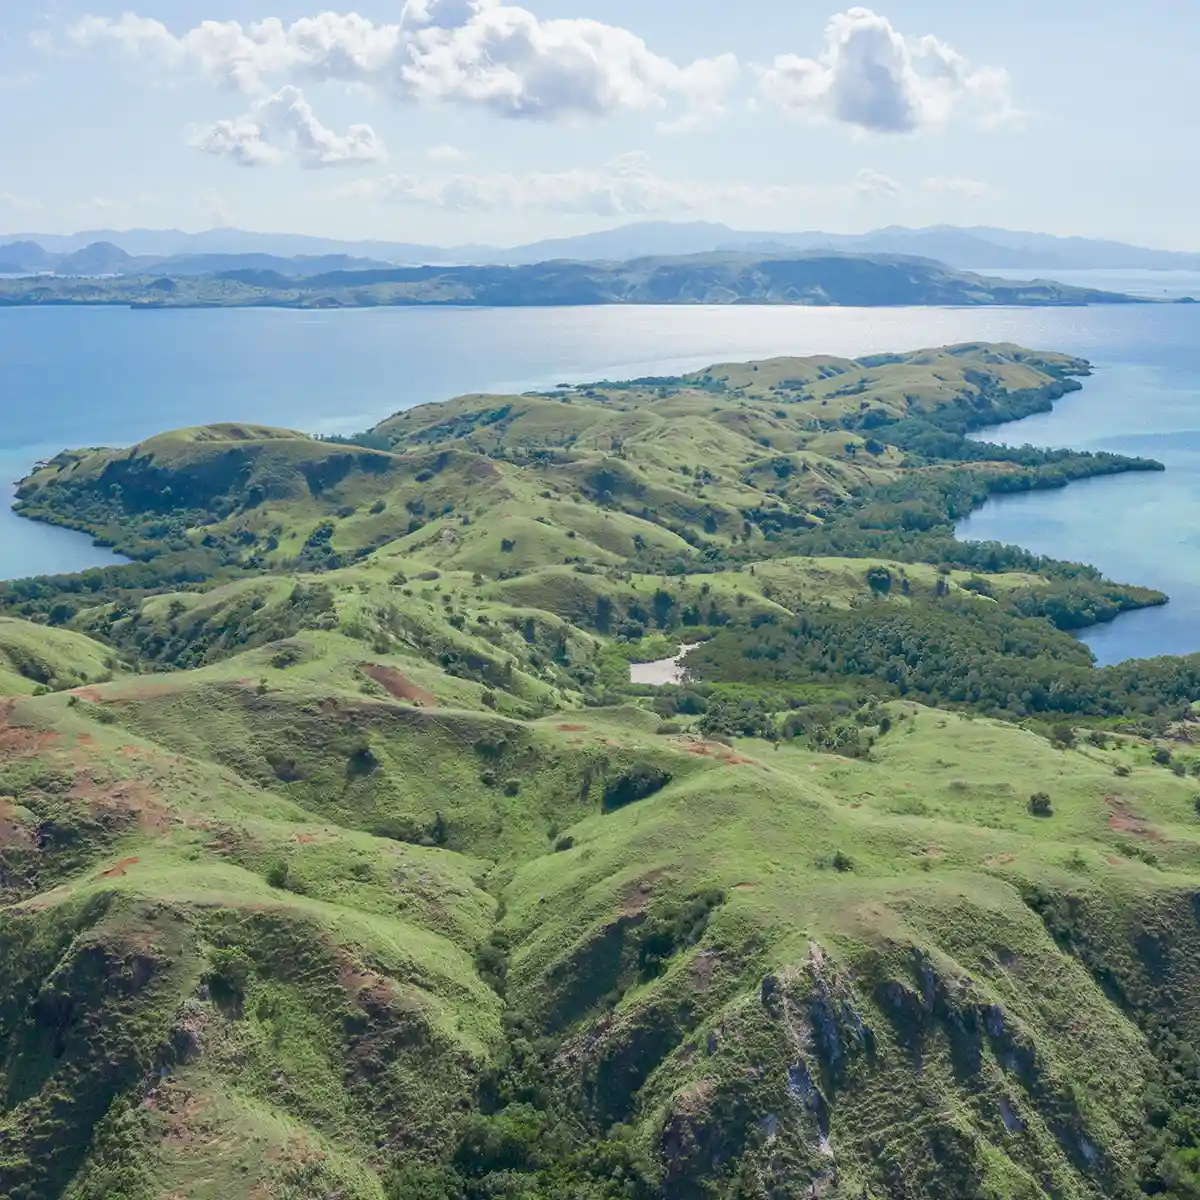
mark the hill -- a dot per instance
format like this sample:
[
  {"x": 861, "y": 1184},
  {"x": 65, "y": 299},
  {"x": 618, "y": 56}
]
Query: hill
[
  {"x": 370, "y": 873},
  {"x": 976, "y": 248},
  {"x": 816, "y": 278}
]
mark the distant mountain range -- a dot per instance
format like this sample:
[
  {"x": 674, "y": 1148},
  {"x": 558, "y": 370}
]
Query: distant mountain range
[
  {"x": 723, "y": 277},
  {"x": 138, "y": 251}
]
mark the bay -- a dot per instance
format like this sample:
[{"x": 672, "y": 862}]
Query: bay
[{"x": 80, "y": 376}]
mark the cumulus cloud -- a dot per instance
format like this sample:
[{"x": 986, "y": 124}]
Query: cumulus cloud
[
  {"x": 955, "y": 186},
  {"x": 624, "y": 186},
  {"x": 874, "y": 78},
  {"x": 287, "y": 121},
  {"x": 444, "y": 152},
  {"x": 476, "y": 53}
]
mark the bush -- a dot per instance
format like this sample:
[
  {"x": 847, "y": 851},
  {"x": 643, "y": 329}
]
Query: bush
[
  {"x": 841, "y": 862},
  {"x": 229, "y": 972},
  {"x": 277, "y": 873},
  {"x": 414, "y": 1181},
  {"x": 512, "y": 787},
  {"x": 639, "y": 781},
  {"x": 1122, "y": 770},
  {"x": 1039, "y": 805}
]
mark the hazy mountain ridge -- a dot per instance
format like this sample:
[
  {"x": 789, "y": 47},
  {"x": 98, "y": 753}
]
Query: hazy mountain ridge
[
  {"x": 829, "y": 278},
  {"x": 975, "y": 247}
]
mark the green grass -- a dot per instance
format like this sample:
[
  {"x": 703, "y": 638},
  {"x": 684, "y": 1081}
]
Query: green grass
[{"x": 370, "y": 857}]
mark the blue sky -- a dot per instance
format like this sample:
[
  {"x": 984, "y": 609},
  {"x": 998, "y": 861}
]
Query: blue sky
[{"x": 475, "y": 120}]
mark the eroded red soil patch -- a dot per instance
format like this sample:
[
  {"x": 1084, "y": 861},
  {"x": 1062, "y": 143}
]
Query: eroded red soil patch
[
  {"x": 1124, "y": 820},
  {"x": 717, "y": 750},
  {"x": 571, "y": 728},
  {"x": 123, "y": 799},
  {"x": 21, "y": 741},
  {"x": 398, "y": 685},
  {"x": 637, "y": 898},
  {"x": 118, "y": 869}
]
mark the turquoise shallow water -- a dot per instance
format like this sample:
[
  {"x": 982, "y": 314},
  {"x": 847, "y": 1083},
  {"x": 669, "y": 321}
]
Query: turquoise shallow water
[{"x": 71, "y": 377}]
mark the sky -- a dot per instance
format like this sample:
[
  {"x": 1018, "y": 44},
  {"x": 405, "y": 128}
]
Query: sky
[{"x": 459, "y": 121}]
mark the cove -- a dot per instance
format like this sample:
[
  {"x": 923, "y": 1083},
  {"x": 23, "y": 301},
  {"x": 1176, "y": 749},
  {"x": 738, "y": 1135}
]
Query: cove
[
  {"x": 1140, "y": 528},
  {"x": 95, "y": 377}
]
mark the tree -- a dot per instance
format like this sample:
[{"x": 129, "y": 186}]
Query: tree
[{"x": 1039, "y": 805}]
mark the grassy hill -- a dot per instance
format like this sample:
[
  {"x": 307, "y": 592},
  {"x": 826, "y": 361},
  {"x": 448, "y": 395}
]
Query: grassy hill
[{"x": 340, "y": 857}]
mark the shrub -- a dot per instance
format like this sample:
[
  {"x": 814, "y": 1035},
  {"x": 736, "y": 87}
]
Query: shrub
[
  {"x": 879, "y": 579},
  {"x": 229, "y": 972},
  {"x": 414, "y": 1181},
  {"x": 1039, "y": 805},
  {"x": 566, "y": 842},
  {"x": 639, "y": 781},
  {"x": 1122, "y": 770},
  {"x": 512, "y": 787},
  {"x": 277, "y": 873},
  {"x": 841, "y": 862}
]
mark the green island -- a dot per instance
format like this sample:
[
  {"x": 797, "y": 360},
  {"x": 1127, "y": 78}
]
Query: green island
[
  {"x": 340, "y": 856},
  {"x": 815, "y": 278}
]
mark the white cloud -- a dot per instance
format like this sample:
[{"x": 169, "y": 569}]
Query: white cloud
[
  {"x": 104, "y": 206},
  {"x": 287, "y": 120},
  {"x": 476, "y": 53},
  {"x": 874, "y": 78},
  {"x": 18, "y": 204},
  {"x": 240, "y": 139},
  {"x": 955, "y": 186},
  {"x": 625, "y": 186},
  {"x": 444, "y": 153},
  {"x": 870, "y": 182}
]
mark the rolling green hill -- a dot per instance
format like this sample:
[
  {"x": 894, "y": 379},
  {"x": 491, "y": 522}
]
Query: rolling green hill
[{"x": 339, "y": 856}]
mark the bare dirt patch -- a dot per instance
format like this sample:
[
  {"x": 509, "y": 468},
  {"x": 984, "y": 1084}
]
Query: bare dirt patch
[
  {"x": 571, "y": 728},
  {"x": 637, "y": 898},
  {"x": 124, "y": 801},
  {"x": 21, "y": 741},
  {"x": 999, "y": 860},
  {"x": 717, "y": 750},
  {"x": 14, "y": 832},
  {"x": 398, "y": 685},
  {"x": 118, "y": 869},
  {"x": 1123, "y": 819},
  {"x": 704, "y": 966}
]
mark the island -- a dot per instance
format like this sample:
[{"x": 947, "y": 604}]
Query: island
[
  {"x": 341, "y": 855},
  {"x": 821, "y": 278}
]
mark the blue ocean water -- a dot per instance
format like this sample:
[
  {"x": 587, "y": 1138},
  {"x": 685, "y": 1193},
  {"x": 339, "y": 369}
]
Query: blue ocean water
[{"x": 77, "y": 376}]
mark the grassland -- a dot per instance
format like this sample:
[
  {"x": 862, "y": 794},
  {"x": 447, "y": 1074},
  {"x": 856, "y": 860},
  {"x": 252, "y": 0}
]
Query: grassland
[{"x": 358, "y": 868}]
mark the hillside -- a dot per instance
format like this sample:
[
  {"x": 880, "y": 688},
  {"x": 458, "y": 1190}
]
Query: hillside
[
  {"x": 817, "y": 278},
  {"x": 339, "y": 856}
]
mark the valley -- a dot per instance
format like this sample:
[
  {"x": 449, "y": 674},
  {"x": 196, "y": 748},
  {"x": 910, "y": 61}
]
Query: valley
[{"x": 340, "y": 855}]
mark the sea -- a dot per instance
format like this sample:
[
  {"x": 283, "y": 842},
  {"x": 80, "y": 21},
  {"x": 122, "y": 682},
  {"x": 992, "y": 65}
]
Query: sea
[{"x": 74, "y": 377}]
